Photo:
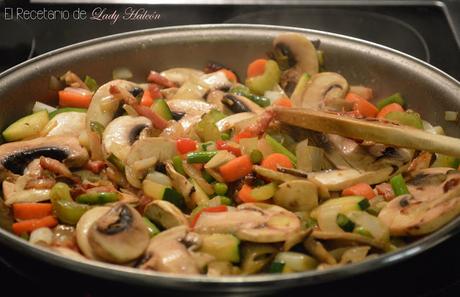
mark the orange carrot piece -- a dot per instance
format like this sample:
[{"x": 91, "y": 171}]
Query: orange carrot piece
[
  {"x": 284, "y": 102},
  {"x": 362, "y": 106},
  {"x": 389, "y": 108},
  {"x": 231, "y": 76},
  {"x": 72, "y": 99},
  {"x": 245, "y": 194},
  {"x": 147, "y": 99},
  {"x": 30, "y": 225},
  {"x": 236, "y": 168},
  {"x": 274, "y": 160},
  {"x": 361, "y": 189},
  {"x": 256, "y": 68},
  {"x": 27, "y": 211}
]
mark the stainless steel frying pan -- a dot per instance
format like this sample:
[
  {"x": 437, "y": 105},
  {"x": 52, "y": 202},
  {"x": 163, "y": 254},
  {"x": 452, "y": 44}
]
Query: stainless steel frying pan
[{"x": 428, "y": 90}]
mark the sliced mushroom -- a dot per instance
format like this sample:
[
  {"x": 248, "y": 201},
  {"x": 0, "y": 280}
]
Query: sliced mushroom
[
  {"x": 301, "y": 55},
  {"x": 190, "y": 107},
  {"x": 434, "y": 201},
  {"x": 165, "y": 214},
  {"x": 275, "y": 175},
  {"x": 66, "y": 124},
  {"x": 255, "y": 222},
  {"x": 121, "y": 133},
  {"x": 182, "y": 184},
  {"x": 168, "y": 253},
  {"x": 83, "y": 227},
  {"x": 297, "y": 195},
  {"x": 216, "y": 80},
  {"x": 144, "y": 154},
  {"x": 119, "y": 235},
  {"x": 337, "y": 180},
  {"x": 320, "y": 89},
  {"x": 15, "y": 156},
  {"x": 180, "y": 75},
  {"x": 236, "y": 121},
  {"x": 351, "y": 237},
  {"x": 237, "y": 104}
]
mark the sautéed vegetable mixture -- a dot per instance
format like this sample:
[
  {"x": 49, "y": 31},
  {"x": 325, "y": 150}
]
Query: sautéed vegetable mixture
[{"x": 192, "y": 172}]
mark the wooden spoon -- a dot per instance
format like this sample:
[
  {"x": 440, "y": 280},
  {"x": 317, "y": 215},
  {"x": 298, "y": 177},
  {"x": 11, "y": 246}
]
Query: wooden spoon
[{"x": 373, "y": 130}]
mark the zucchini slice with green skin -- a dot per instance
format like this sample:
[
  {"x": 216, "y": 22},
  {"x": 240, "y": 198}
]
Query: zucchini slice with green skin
[
  {"x": 162, "y": 109},
  {"x": 224, "y": 247},
  {"x": 66, "y": 109},
  {"x": 26, "y": 126}
]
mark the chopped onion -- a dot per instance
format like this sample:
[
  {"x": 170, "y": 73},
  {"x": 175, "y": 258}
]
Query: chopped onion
[
  {"x": 80, "y": 91},
  {"x": 122, "y": 73},
  {"x": 42, "y": 235},
  {"x": 24, "y": 196},
  {"x": 159, "y": 178},
  {"x": 309, "y": 158},
  {"x": 273, "y": 95},
  {"x": 433, "y": 130},
  {"x": 130, "y": 110},
  {"x": 42, "y": 106},
  {"x": 451, "y": 116}
]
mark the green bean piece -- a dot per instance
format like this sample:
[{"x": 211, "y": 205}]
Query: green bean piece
[
  {"x": 276, "y": 267},
  {"x": 97, "y": 198},
  {"x": 395, "y": 98},
  {"x": 220, "y": 189},
  {"x": 279, "y": 148},
  {"x": 200, "y": 157},
  {"x": 399, "y": 185},
  {"x": 208, "y": 177}
]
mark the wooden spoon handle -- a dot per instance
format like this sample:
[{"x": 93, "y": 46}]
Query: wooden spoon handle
[{"x": 386, "y": 133}]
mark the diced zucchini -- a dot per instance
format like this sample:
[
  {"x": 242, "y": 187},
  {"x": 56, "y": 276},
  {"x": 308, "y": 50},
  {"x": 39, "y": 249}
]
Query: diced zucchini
[
  {"x": 276, "y": 267},
  {"x": 345, "y": 223},
  {"x": 66, "y": 109},
  {"x": 224, "y": 247},
  {"x": 395, "y": 98},
  {"x": 174, "y": 197},
  {"x": 162, "y": 109},
  {"x": 206, "y": 129},
  {"x": 370, "y": 223},
  {"x": 295, "y": 262},
  {"x": 214, "y": 115},
  {"x": 446, "y": 161},
  {"x": 411, "y": 119},
  {"x": 27, "y": 126},
  {"x": 264, "y": 192},
  {"x": 364, "y": 204},
  {"x": 326, "y": 213},
  {"x": 153, "y": 189}
]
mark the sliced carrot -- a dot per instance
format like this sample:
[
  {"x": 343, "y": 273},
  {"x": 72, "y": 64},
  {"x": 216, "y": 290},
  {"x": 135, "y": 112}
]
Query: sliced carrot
[
  {"x": 146, "y": 99},
  {"x": 186, "y": 145},
  {"x": 236, "y": 168},
  {"x": 361, "y": 189},
  {"x": 73, "y": 99},
  {"x": 362, "y": 106},
  {"x": 274, "y": 160},
  {"x": 256, "y": 68},
  {"x": 284, "y": 102},
  {"x": 245, "y": 194},
  {"x": 230, "y": 75},
  {"x": 30, "y": 225},
  {"x": 27, "y": 211},
  {"x": 389, "y": 108}
]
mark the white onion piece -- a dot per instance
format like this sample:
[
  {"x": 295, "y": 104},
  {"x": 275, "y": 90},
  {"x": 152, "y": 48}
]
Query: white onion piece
[
  {"x": 80, "y": 91},
  {"x": 159, "y": 178},
  {"x": 26, "y": 196},
  {"x": 122, "y": 73},
  {"x": 42, "y": 106},
  {"x": 42, "y": 235}
]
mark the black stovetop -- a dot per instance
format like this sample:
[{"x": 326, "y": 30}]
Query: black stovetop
[{"x": 424, "y": 29}]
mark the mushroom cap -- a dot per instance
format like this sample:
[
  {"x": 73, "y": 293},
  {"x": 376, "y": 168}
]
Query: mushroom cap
[
  {"x": 83, "y": 227},
  {"x": 299, "y": 48},
  {"x": 119, "y": 235},
  {"x": 121, "y": 133},
  {"x": 66, "y": 124},
  {"x": 165, "y": 214},
  {"x": 319, "y": 90}
]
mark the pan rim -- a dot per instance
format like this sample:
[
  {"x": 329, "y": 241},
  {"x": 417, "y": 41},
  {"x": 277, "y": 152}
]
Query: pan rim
[{"x": 136, "y": 276}]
